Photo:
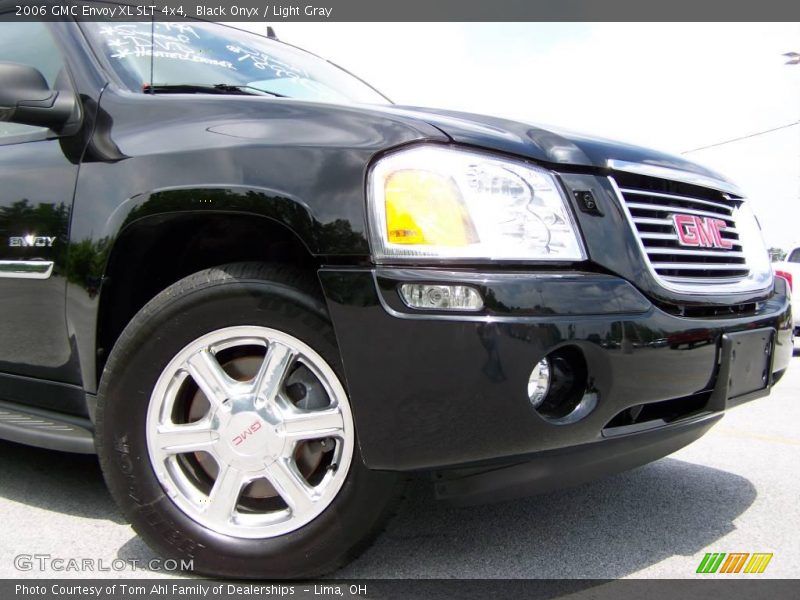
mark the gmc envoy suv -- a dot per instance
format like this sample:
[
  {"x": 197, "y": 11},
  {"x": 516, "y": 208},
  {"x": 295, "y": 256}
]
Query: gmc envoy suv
[{"x": 265, "y": 295}]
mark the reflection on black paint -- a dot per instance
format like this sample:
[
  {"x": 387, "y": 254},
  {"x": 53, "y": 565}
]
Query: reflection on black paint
[
  {"x": 493, "y": 368},
  {"x": 22, "y": 218},
  {"x": 86, "y": 262},
  {"x": 338, "y": 235}
]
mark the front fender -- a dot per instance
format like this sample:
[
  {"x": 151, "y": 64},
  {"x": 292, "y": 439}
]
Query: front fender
[{"x": 301, "y": 164}]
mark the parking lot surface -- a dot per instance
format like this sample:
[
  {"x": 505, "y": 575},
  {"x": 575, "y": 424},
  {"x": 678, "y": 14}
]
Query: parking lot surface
[{"x": 735, "y": 490}]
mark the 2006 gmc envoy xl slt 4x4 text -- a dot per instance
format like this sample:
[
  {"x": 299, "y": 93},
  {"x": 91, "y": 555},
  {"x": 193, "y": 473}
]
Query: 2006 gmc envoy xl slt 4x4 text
[{"x": 264, "y": 295}]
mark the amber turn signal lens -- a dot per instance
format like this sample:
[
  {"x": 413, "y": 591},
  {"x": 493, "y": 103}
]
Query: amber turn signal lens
[{"x": 425, "y": 208}]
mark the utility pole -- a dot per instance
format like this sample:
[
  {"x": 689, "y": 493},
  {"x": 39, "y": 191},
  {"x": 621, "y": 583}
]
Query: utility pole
[{"x": 794, "y": 59}]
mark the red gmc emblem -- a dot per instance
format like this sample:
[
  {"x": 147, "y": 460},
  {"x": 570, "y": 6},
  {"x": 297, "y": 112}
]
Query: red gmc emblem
[
  {"x": 239, "y": 439},
  {"x": 701, "y": 232}
]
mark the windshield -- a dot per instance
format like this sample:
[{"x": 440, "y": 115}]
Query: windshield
[{"x": 208, "y": 54}]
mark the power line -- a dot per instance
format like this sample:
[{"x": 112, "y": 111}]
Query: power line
[{"x": 744, "y": 137}]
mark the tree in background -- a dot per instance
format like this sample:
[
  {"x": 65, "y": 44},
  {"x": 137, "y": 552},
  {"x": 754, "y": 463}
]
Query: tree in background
[{"x": 776, "y": 254}]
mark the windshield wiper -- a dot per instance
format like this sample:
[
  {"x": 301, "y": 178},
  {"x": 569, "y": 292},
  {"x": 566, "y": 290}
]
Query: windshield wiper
[
  {"x": 247, "y": 89},
  {"x": 206, "y": 88}
]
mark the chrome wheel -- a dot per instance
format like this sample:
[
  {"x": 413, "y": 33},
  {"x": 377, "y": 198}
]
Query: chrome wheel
[{"x": 249, "y": 432}]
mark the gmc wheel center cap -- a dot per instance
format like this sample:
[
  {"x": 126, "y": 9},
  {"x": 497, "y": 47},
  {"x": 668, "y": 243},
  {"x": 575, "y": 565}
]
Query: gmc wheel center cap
[{"x": 251, "y": 436}]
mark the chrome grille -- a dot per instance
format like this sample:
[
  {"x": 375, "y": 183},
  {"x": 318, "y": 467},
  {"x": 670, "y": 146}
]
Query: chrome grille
[{"x": 651, "y": 211}]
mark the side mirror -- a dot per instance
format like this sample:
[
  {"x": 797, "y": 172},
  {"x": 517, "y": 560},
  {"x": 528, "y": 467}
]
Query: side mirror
[{"x": 26, "y": 98}]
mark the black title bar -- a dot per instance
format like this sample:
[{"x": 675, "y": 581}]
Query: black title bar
[
  {"x": 276, "y": 11},
  {"x": 397, "y": 589}
]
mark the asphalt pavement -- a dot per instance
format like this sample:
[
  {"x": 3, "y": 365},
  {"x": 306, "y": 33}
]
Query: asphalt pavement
[{"x": 735, "y": 490}]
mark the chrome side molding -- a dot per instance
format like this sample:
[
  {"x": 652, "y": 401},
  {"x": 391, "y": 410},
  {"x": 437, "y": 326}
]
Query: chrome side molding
[{"x": 26, "y": 269}]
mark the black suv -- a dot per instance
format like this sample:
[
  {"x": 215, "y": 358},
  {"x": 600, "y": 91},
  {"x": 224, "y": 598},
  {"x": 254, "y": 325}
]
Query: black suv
[{"x": 264, "y": 295}]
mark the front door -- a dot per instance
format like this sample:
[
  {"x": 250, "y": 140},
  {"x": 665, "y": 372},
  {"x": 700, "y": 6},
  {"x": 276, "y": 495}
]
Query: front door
[{"x": 37, "y": 182}]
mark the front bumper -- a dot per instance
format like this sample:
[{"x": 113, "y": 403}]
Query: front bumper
[
  {"x": 447, "y": 392},
  {"x": 566, "y": 467}
]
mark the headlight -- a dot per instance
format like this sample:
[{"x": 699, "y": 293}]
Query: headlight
[
  {"x": 753, "y": 244},
  {"x": 436, "y": 202}
]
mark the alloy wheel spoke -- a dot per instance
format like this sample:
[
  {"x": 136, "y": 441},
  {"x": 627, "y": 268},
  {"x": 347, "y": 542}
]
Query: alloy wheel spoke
[
  {"x": 273, "y": 371},
  {"x": 290, "y": 485},
  {"x": 191, "y": 437},
  {"x": 209, "y": 376},
  {"x": 313, "y": 424},
  {"x": 225, "y": 494}
]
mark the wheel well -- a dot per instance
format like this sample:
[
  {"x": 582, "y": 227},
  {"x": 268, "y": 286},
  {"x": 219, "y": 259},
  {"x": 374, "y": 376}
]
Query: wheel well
[{"x": 154, "y": 253}]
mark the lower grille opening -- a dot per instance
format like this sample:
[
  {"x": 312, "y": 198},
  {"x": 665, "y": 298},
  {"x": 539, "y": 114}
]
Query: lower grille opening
[
  {"x": 657, "y": 413},
  {"x": 702, "y": 312}
]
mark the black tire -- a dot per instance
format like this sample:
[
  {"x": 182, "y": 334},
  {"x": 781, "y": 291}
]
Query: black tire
[{"x": 237, "y": 294}]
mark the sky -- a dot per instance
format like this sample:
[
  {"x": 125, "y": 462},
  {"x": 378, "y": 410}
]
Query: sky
[{"x": 669, "y": 86}]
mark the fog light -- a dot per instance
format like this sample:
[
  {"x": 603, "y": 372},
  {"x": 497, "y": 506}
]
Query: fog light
[
  {"x": 441, "y": 297},
  {"x": 539, "y": 383},
  {"x": 559, "y": 387}
]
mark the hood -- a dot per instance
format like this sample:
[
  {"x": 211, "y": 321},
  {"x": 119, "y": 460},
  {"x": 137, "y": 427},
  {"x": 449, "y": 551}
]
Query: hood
[{"x": 557, "y": 146}]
